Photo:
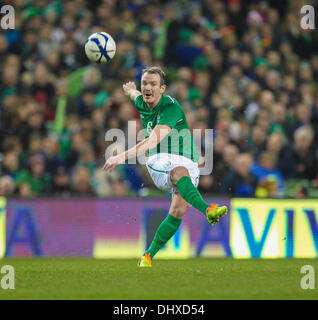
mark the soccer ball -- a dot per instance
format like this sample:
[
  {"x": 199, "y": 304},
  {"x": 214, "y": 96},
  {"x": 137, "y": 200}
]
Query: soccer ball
[{"x": 100, "y": 47}]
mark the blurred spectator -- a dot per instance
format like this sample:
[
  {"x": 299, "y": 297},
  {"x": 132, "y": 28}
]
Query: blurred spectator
[
  {"x": 25, "y": 190},
  {"x": 305, "y": 153},
  {"x": 119, "y": 188},
  {"x": 72, "y": 155},
  {"x": 301, "y": 192},
  {"x": 61, "y": 182},
  {"x": 240, "y": 181},
  {"x": 102, "y": 182},
  {"x": 266, "y": 166},
  {"x": 224, "y": 165},
  {"x": 283, "y": 153},
  {"x": 257, "y": 142},
  {"x": 33, "y": 127},
  {"x": 10, "y": 164},
  {"x": 6, "y": 186},
  {"x": 43, "y": 90},
  {"x": 267, "y": 187},
  {"x": 207, "y": 184},
  {"x": 81, "y": 184},
  {"x": 86, "y": 104},
  {"x": 87, "y": 159},
  {"x": 39, "y": 180},
  {"x": 51, "y": 158}
]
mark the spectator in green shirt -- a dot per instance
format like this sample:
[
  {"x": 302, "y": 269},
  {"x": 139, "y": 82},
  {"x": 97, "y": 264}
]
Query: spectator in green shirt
[{"x": 39, "y": 180}]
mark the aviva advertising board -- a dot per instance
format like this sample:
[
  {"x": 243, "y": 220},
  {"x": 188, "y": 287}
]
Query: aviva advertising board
[
  {"x": 254, "y": 228},
  {"x": 274, "y": 228}
]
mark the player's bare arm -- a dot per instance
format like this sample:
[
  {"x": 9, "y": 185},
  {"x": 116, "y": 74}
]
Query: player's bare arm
[
  {"x": 130, "y": 90},
  {"x": 156, "y": 136}
]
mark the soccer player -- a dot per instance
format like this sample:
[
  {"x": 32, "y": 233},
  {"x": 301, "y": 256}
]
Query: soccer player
[{"x": 172, "y": 156}]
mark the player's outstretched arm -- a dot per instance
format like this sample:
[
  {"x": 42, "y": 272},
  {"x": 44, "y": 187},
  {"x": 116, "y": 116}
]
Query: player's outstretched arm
[
  {"x": 156, "y": 136},
  {"x": 130, "y": 90}
]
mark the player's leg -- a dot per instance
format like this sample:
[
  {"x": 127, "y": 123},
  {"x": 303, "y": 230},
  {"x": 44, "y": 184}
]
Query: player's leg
[
  {"x": 167, "y": 228},
  {"x": 181, "y": 179}
]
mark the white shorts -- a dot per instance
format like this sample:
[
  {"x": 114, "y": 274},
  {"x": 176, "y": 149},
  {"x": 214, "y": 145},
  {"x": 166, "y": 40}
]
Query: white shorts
[{"x": 160, "y": 165}]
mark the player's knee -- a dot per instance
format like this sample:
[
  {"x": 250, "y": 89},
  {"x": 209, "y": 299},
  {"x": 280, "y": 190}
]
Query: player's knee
[
  {"x": 177, "y": 173},
  {"x": 179, "y": 212}
]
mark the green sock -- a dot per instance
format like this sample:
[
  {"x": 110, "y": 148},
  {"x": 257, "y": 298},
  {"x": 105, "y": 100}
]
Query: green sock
[
  {"x": 191, "y": 194},
  {"x": 166, "y": 230}
]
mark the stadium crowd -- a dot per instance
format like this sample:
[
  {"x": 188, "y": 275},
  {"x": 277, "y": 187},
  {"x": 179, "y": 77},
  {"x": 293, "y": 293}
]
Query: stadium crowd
[{"x": 244, "y": 68}]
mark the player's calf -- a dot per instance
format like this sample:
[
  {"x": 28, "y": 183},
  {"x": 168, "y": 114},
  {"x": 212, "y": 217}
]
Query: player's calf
[{"x": 180, "y": 177}]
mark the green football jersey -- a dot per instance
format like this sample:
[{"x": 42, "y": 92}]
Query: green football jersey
[{"x": 168, "y": 112}]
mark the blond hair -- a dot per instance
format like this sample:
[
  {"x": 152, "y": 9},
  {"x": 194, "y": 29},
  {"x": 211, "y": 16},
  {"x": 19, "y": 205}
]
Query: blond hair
[{"x": 156, "y": 70}]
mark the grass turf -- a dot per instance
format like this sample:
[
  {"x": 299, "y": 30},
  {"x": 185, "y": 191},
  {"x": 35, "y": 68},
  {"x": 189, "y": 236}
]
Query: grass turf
[{"x": 85, "y": 278}]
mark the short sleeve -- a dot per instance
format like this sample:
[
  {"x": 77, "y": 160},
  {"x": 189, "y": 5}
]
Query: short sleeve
[
  {"x": 139, "y": 101},
  {"x": 170, "y": 115}
]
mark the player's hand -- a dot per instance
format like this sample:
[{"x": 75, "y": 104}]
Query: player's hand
[
  {"x": 113, "y": 162},
  {"x": 128, "y": 87}
]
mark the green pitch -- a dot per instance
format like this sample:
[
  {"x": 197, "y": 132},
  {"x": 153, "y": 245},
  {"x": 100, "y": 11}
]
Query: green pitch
[{"x": 78, "y": 278}]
